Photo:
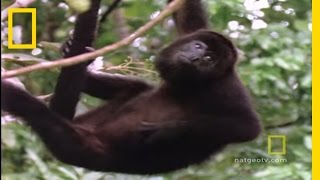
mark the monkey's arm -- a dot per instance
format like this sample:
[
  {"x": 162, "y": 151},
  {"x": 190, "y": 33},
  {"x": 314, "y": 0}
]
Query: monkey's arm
[
  {"x": 191, "y": 17},
  {"x": 71, "y": 79},
  {"x": 108, "y": 86}
]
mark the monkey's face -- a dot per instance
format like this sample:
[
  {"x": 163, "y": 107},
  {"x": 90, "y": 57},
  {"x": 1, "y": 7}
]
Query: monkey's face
[
  {"x": 198, "y": 54},
  {"x": 202, "y": 55}
]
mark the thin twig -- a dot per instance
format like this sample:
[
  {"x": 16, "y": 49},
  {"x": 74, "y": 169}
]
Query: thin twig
[
  {"x": 112, "y": 6},
  {"x": 126, "y": 66},
  {"x": 172, "y": 7}
]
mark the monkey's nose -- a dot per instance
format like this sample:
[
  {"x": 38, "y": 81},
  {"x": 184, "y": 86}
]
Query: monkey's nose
[{"x": 194, "y": 59}]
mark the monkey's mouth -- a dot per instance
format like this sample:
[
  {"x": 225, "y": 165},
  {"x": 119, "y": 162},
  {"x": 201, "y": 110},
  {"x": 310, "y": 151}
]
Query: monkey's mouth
[{"x": 205, "y": 61}]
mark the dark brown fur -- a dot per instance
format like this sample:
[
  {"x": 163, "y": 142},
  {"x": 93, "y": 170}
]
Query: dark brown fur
[{"x": 199, "y": 108}]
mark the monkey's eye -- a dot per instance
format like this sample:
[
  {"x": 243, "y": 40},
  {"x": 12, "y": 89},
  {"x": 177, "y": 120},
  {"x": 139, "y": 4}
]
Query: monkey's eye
[
  {"x": 198, "y": 46},
  {"x": 207, "y": 58}
]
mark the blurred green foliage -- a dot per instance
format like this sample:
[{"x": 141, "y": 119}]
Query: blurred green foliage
[{"x": 274, "y": 40}]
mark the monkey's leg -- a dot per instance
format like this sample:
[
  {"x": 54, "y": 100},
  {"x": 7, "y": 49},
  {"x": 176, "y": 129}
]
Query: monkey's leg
[
  {"x": 108, "y": 86},
  {"x": 67, "y": 142},
  {"x": 72, "y": 79}
]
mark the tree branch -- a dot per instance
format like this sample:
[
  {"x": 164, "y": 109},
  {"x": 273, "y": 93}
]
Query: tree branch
[{"x": 172, "y": 7}]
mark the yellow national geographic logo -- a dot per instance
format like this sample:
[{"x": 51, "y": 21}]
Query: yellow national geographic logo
[
  {"x": 11, "y": 45},
  {"x": 276, "y": 144}
]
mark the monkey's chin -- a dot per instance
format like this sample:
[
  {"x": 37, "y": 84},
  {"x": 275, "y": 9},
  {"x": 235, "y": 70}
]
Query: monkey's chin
[
  {"x": 202, "y": 64},
  {"x": 183, "y": 59}
]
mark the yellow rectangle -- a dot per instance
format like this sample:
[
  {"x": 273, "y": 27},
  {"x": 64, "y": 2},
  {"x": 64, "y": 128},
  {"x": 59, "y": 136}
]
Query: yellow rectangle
[
  {"x": 315, "y": 90},
  {"x": 33, "y": 11},
  {"x": 283, "y": 151}
]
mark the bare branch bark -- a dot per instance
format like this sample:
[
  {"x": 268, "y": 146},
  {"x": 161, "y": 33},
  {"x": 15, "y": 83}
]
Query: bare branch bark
[{"x": 172, "y": 7}]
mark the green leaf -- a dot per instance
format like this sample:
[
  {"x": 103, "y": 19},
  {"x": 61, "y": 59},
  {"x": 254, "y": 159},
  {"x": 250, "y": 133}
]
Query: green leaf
[{"x": 79, "y": 6}]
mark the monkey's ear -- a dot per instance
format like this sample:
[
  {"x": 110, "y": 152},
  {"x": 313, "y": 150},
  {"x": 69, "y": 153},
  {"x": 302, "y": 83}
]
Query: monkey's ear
[{"x": 241, "y": 54}]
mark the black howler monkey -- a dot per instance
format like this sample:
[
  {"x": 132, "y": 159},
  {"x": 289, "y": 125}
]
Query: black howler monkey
[{"x": 200, "y": 107}]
